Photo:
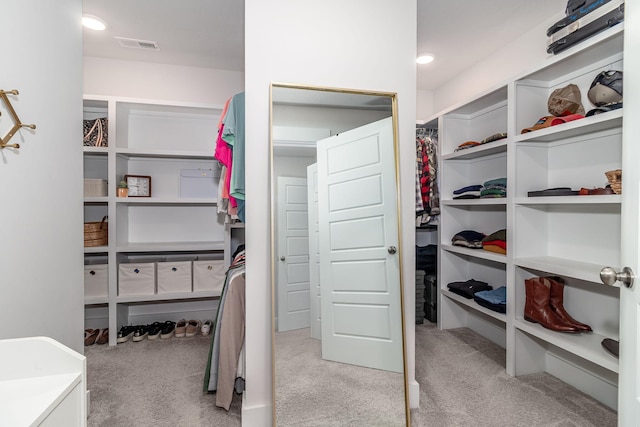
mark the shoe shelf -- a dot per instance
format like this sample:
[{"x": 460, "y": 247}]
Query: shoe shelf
[
  {"x": 155, "y": 138},
  {"x": 573, "y": 237},
  {"x": 471, "y": 304},
  {"x": 586, "y": 345}
]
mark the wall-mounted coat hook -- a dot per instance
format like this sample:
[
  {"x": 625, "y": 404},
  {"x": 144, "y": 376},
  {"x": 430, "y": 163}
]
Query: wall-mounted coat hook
[{"x": 17, "y": 124}]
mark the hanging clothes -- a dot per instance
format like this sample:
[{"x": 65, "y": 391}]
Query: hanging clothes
[
  {"x": 233, "y": 133},
  {"x": 427, "y": 194}
]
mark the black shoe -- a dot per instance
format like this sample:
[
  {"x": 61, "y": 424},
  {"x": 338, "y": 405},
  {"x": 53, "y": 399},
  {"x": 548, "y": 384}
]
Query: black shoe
[
  {"x": 612, "y": 346},
  {"x": 125, "y": 333},
  {"x": 154, "y": 330},
  {"x": 140, "y": 333},
  {"x": 167, "y": 330}
]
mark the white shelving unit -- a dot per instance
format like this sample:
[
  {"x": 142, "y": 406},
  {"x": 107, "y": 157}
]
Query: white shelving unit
[
  {"x": 571, "y": 236},
  {"x": 158, "y": 139}
]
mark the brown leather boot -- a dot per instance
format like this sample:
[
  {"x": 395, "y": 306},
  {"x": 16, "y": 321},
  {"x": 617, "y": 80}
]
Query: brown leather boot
[
  {"x": 537, "y": 308},
  {"x": 556, "y": 299}
]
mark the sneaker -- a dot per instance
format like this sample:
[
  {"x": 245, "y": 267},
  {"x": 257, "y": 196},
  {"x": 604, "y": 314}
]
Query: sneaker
[
  {"x": 207, "y": 325},
  {"x": 193, "y": 327},
  {"x": 181, "y": 328},
  {"x": 154, "y": 330},
  {"x": 140, "y": 333},
  {"x": 125, "y": 333},
  {"x": 167, "y": 330}
]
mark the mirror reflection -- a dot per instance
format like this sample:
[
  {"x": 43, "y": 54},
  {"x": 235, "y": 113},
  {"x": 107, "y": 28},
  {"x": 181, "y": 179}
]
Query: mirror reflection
[{"x": 339, "y": 350}]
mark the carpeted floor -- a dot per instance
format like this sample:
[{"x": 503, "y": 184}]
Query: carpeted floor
[
  {"x": 154, "y": 384},
  {"x": 463, "y": 383},
  {"x": 461, "y": 375}
]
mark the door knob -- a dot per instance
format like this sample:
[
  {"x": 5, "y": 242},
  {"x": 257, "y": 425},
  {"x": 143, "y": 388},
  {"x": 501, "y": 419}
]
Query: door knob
[
  {"x": 392, "y": 250},
  {"x": 609, "y": 276},
  {"x": 282, "y": 258}
]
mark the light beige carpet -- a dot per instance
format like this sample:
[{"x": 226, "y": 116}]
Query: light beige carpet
[{"x": 154, "y": 384}]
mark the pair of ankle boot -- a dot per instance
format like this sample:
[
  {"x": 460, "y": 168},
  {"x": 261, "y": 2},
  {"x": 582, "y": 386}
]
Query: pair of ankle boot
[{"x": 544, "y": 305}]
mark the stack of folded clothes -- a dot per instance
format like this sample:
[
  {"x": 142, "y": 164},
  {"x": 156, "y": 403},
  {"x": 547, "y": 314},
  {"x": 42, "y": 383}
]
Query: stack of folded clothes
[
  {"x": 495, "y": 299},
  {"x": 469, "y": 239},
  {"x": 468, "y": 192},
  {"x": 469, "y": 288},
  {"x": 496, "y": 242},
  {"x": 494, "y": 188}
]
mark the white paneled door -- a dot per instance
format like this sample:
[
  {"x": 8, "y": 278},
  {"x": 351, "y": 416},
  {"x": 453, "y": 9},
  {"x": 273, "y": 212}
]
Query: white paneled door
[
  {"x": 314, "y": 251},
  {"x": 292, "y": 254},
  {"x": 359, "y": 262},
  {"x": 629, "y": 369}
]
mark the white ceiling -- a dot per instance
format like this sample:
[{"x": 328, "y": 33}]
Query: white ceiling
[{"x": 210, "y": 33}]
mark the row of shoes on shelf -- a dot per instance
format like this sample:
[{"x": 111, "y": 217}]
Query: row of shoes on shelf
[
  {"x": 544, "y": 305},
  {"x": 165, "y": 330},
  {"x": 96, "y": 336}
]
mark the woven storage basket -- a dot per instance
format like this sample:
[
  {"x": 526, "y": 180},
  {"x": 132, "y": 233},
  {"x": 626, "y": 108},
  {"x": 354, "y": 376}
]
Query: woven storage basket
[
  {"x": 615, "y": 180},
  {"x": 96, "y": 233}
]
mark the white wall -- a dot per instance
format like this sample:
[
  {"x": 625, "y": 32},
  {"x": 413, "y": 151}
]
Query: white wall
[
  {"x": 41, "y": 241},
  {"x": 512, "y": 59},
  {"x": 135, "y": 79},
  {"x": 360, "y": 44},
  {"x": 424, "y": 104}
]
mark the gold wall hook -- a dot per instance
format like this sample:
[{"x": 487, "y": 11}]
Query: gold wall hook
[{"x": 16, "y": 120}]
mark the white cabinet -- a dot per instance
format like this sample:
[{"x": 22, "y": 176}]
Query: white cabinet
[
  {"x": 568, "y": 236},
  {"x": 161, "y": 140}
]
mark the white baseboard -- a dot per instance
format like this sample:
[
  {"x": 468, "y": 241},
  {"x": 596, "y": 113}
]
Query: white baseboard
[
  {"x": 414, "y": 394},
  {"x": 256, "y": 416}
]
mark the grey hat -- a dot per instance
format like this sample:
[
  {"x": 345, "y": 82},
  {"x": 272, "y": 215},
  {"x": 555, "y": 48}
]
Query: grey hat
[{"x": 565, "y": 101}]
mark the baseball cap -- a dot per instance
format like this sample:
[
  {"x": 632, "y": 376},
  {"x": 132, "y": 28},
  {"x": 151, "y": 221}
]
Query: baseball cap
[
  {"x": 604, "y": 109},
  {"x": 606, "y": 88},
  {"x": 565, "y": 101},
  {"x": 565, "y": 119},
  {"x": 543, "y": 122}
]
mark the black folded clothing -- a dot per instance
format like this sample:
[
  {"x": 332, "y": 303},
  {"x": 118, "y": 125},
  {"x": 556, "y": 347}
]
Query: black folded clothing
[
  {"x": 559, "y": 191},
  {"x": 469, "y": 288}
]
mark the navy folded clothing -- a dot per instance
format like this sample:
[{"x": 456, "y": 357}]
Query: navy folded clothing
[
  {"x": 468, "y": 238},
  {"x": 495, "y": 299},
  {"x": 499, "y": 308},
  {"x": 476, "y": 187},
  {"x": 469, "y": 288}
]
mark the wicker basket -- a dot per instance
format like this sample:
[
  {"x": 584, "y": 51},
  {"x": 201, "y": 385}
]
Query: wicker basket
[
  {"x": 96, "y": 233},
  {"x": 615, "y": 180}
]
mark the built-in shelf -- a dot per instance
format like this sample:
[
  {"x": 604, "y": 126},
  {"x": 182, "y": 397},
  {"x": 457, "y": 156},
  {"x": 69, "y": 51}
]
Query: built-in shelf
[
  {"x": 471, "y": 304},
  {"x": 170, "y": 246},
  {"x": 477, "y": 253}
]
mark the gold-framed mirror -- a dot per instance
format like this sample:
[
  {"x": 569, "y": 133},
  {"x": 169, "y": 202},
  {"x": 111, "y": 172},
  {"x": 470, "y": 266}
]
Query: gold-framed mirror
[{"x": 338, "y": 330}]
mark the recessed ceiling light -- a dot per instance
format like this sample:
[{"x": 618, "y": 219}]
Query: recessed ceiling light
[
  {"x": 424, "y": 58},
  {"x": 93, "y": 22}
]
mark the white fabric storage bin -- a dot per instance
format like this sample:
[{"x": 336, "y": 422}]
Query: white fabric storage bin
[
  {"x": 208, "y": 275},
  {"x": 95, "y": 187},
  {"x": 137, "y": 279},
  {"x": 174, "y": 277},
  {"x": 96, "y": 281},
  {"x": 199, "y": 183}
]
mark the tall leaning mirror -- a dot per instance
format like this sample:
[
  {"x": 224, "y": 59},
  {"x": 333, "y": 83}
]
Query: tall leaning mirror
[{"x": 338, "y": 327}]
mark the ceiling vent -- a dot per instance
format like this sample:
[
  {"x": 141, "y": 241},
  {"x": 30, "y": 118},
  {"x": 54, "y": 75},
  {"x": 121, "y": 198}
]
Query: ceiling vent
[{"x": 137, "y": 44}]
